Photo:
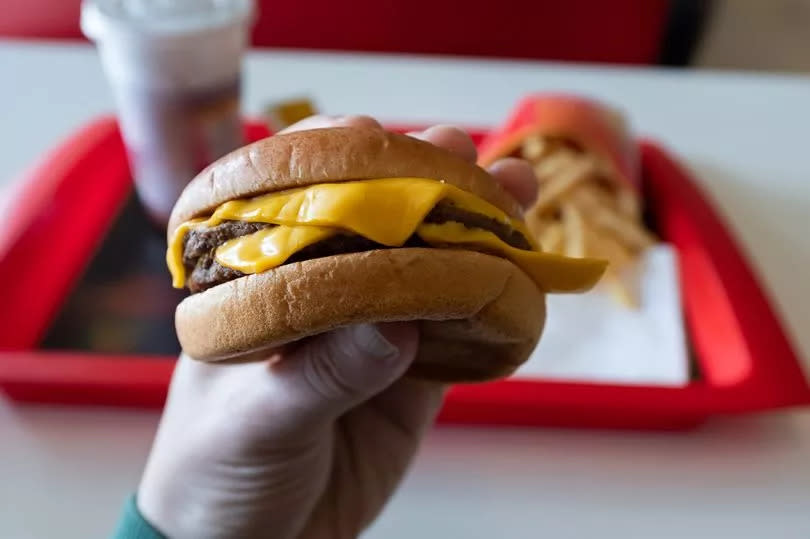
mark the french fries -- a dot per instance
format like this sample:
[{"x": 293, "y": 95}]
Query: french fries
[
  {"x": 612, "y": 219},
  {"x": 552, "y": 163},
  {"x": 562, "y": 183},
  {"x": 551, "y": 237},
  {"x": 580, "y": 211},
  {"x": 574, "y": 227}
]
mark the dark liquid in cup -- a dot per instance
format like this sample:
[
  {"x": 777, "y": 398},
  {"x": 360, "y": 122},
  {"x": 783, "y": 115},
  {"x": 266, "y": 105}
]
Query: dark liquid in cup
[{"x": 171, "y": 136}]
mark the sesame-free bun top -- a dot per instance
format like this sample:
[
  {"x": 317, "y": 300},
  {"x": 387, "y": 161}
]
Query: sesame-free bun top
[{"x": 334, "y": 154}]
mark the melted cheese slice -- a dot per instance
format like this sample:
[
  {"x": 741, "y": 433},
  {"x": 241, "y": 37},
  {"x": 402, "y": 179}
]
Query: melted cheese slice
[
  {"x": 270, "y": 248},
  {"x": 550, "y": 272},
  {"x": 387, "y": 211}
]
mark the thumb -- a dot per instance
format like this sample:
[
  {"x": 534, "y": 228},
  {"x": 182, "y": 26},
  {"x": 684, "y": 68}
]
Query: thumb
[{"x": 333, "y": 372}]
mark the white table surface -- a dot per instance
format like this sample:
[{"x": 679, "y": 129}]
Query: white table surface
[{"x": 64, "y": 471}]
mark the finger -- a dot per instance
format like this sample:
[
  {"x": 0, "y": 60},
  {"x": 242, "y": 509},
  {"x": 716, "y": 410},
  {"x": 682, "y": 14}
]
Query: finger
[
  {"x": 398, "y": 417},
  {"x": 450, "y": 138},
  {"x": 321, "y": 120},
  {"x": 410, "y": 404},
  {"x": 517, "y": 177},
  {"x": 331, "y": 373}
]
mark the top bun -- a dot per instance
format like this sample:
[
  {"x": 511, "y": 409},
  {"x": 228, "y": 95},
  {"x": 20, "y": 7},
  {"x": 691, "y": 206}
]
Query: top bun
[{"x": 333, "y": 154}]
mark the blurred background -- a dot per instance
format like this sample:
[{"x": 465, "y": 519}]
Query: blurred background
[
  {"x": 734, "y": 478},
  {"x": 179, "y": 98},
  {"x": 735, "y": 34}
]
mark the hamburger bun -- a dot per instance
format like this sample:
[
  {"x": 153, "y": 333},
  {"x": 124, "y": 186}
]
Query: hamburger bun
[{"x": 480, "y": 316}]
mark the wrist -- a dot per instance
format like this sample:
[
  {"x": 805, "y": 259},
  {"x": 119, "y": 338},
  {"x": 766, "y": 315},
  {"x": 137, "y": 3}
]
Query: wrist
[{"x": 133, "y": 525}]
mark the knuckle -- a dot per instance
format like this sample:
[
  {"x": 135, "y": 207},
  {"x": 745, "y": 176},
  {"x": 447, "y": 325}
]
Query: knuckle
[{"x": 323, "y": 374}]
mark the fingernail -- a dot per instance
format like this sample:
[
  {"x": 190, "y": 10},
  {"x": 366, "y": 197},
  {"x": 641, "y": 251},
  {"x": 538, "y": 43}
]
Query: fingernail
[{"x": 370, "y": 341}]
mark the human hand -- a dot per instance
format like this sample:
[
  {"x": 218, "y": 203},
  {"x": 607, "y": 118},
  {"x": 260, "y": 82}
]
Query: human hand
[{"x": 309, "y": 443}]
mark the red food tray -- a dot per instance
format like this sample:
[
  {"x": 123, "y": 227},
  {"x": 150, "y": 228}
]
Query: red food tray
[{"x": 67, "y": 203}]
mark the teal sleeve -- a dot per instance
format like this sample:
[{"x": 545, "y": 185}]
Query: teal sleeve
[{"x": 133, "y": 526}]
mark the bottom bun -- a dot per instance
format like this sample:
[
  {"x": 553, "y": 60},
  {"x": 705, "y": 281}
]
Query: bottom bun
[{"x": 480, "y": 316}]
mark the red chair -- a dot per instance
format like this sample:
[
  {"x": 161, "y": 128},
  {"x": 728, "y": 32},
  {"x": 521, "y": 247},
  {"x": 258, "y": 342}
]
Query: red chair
[{"x": 618, "y": 31}]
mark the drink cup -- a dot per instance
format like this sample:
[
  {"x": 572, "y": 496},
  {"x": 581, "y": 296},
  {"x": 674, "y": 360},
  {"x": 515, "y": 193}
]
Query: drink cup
[{"x": 175, "y": 69}]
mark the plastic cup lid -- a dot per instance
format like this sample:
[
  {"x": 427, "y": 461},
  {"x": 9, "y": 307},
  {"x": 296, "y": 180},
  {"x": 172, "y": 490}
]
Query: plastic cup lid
[{"x": 161, "y": 18}]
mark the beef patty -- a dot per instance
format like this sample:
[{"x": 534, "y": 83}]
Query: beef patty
[{"x": 204, "y": 271}]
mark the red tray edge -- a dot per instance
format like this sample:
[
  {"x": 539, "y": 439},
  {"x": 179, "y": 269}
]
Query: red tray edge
[{"x": 33, "y": 376}]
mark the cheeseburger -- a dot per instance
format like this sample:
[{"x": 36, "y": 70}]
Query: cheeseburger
[{"x": 305, "y": 232}]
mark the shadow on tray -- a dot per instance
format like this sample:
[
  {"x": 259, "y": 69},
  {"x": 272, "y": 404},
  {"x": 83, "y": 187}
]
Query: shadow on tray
[{"x": 124, "y": 302}]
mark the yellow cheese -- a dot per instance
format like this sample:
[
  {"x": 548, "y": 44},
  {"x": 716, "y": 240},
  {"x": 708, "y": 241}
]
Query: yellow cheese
[
  {"x": 174, "y": 254},
  {"x": 550, "y": 272},
  {"x": 385, "y": 210},
  {"x": 270, "y": 247}
]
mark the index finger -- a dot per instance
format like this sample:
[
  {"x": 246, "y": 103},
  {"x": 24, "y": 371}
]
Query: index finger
[
  {"x": 450, "y": 138},
  {"x": 517, "y": 177}
]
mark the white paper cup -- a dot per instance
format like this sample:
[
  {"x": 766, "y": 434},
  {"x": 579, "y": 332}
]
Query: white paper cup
[{"x": 175, "y": 68}]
